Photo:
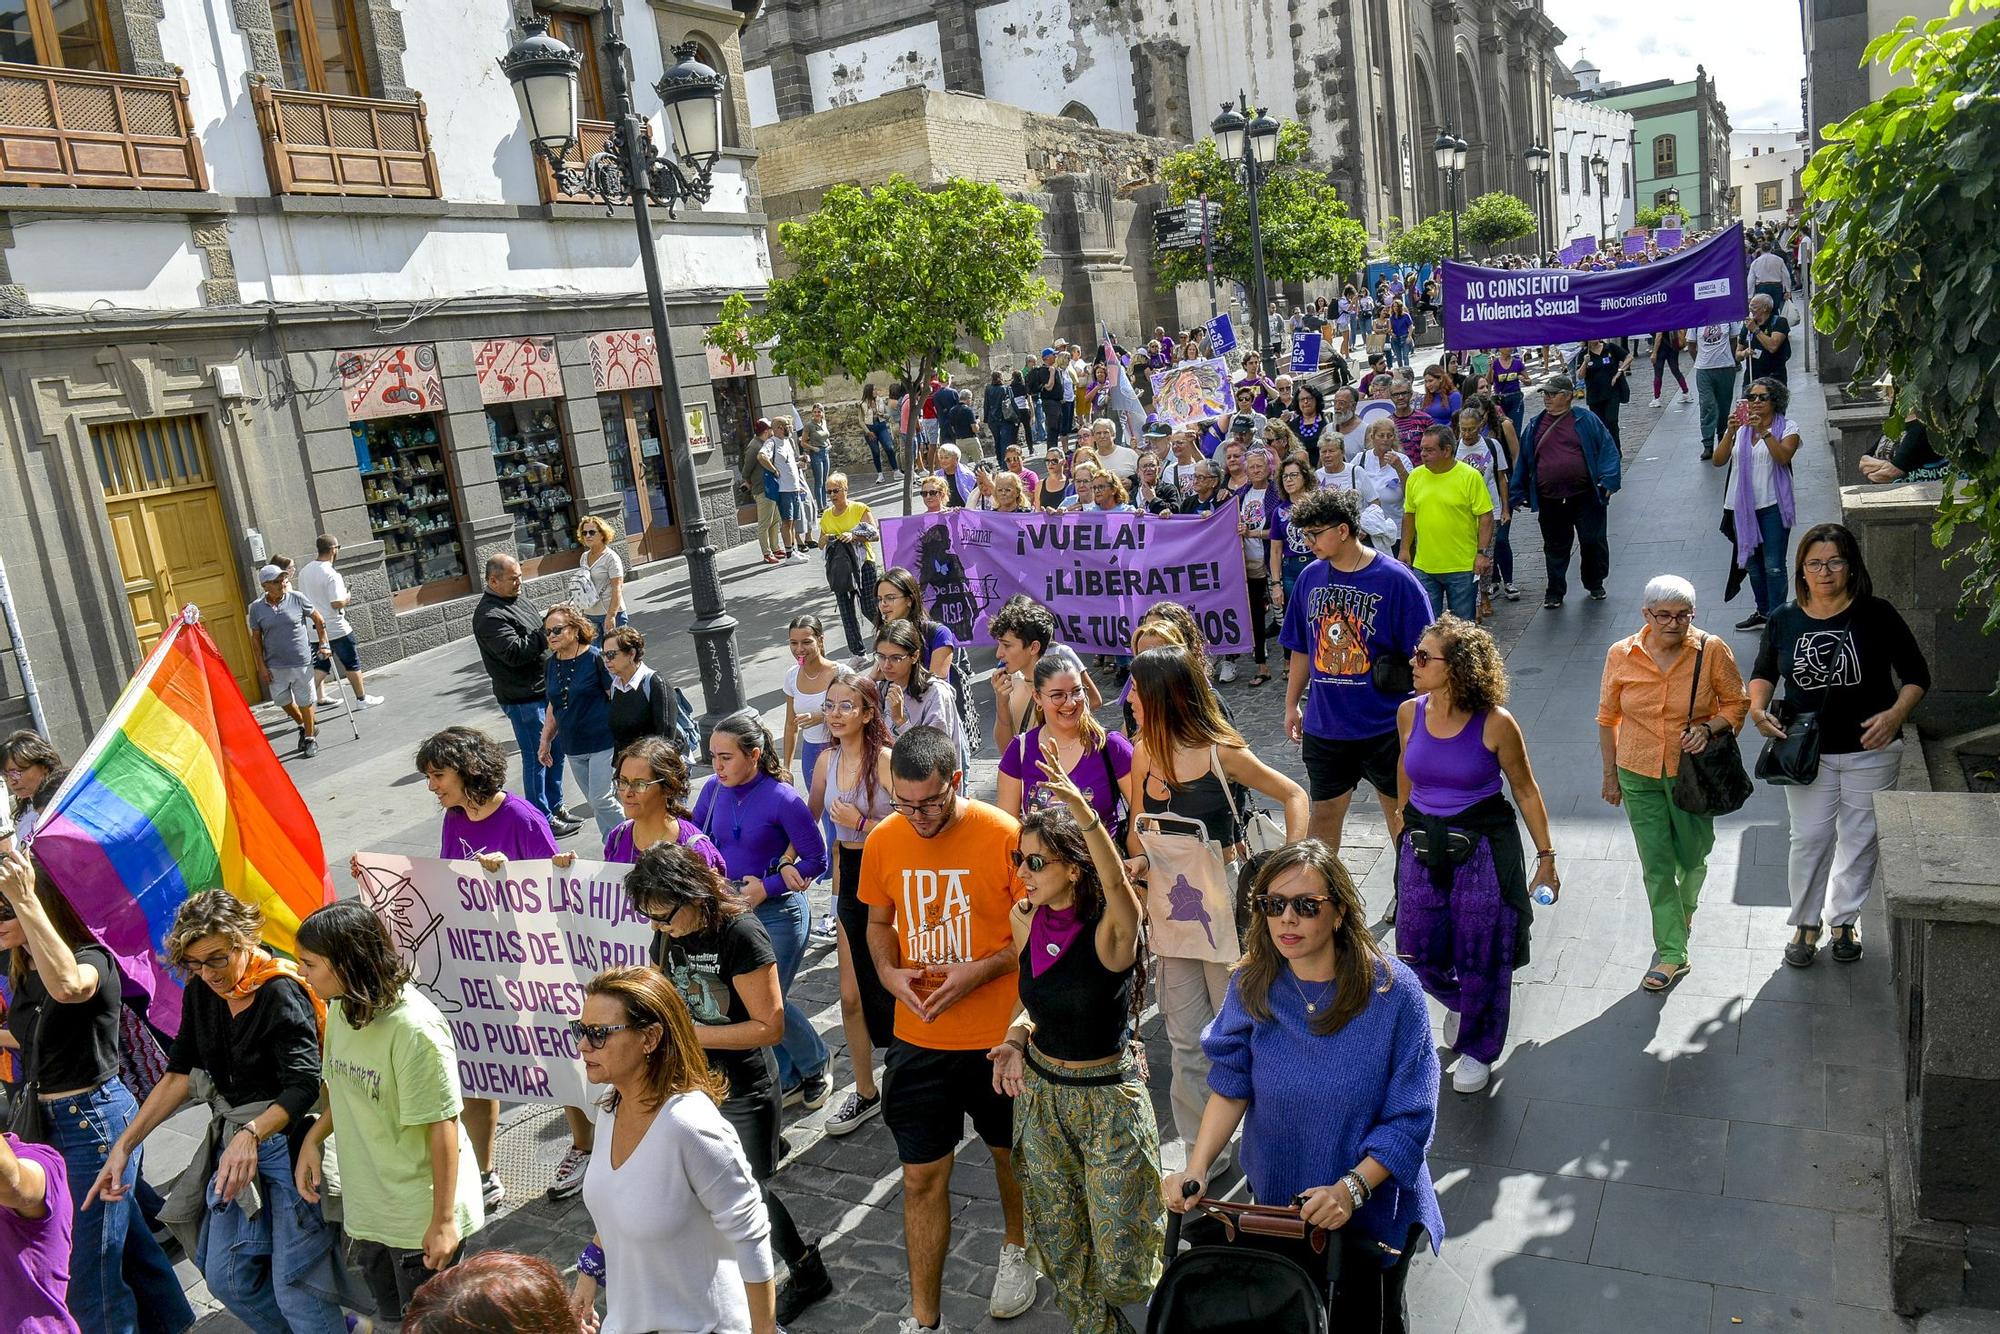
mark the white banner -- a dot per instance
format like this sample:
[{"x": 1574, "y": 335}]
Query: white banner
[{"x": 506, "y": 957}]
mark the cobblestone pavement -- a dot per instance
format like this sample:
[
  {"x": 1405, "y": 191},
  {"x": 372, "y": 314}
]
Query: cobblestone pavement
[{"x": 1710, "y": 1160}]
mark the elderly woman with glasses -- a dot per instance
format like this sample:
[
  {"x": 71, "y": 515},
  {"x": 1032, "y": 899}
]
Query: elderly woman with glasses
[
  {"x": 1668, "y": 691},
  {"x": 577, "y": 686},
  {"x": 33, "y": 770},
  {"x": 1759, "y": 497}
]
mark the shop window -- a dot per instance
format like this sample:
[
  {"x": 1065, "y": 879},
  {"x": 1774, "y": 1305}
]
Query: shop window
[
  {"x": 635, "y": 442},
  {"x": 573, "y": 30},
  {"x": 531, "y": 458},
  {"x": 73, "y": 34},
  {"x": 318, "y": 46},
  {"x": 1666, "y": 156},
  {"x": 406, "y": 482},
  {"x": 735, "y": 410}
]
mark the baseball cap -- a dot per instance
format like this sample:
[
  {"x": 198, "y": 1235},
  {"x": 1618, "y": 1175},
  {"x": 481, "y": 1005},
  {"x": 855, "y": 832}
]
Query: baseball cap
[
  {"x": 761, "y": 425},
  {"x": 1558, "y": 384},
  {"x": 1048, "y": 352},
  {"x": 269, "y": 574},
  {"x": 1157, "y": 430},
  {"x": 1242, "y": 422}
]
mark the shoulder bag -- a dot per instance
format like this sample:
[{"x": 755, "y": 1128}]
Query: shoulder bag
[
  {"x": 1793, "y": 759},
  {"x": 29, "y": 1121},
  {"x": 1713, "y": 781}
]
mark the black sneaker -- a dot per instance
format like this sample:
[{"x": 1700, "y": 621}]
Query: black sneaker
[
  {"x": 1708, "y": 451},
  {"x": 806, "y": 1284},
  {"x": 813, "y": 1091},
  {"x": 563, "y": 826},
  {"x": 1754, "y": 621},
  {"x": 1598, "y": 595},
  {"x": 852, "y": 1112},
  {"x": 1550, "y": 604},
  {"x": 309, "y": 746}
]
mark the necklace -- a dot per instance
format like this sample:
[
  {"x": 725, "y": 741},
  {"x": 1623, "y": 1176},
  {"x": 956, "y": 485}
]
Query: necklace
[{"x": 1312, "y": 1006}]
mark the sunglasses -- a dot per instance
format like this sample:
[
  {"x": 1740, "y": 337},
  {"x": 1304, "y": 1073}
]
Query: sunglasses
[
  {"x": 1756, "y": 398},
  {"x": 1424, "y": 657},
  {"x": 1308, "y": 906},
  {"x": 594, "y": 1036},
  {"x": 1033, "y": 861}
]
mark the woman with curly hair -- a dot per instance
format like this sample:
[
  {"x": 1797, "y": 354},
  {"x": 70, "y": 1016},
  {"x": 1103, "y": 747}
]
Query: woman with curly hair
[{"x": 1462, "y": 887}]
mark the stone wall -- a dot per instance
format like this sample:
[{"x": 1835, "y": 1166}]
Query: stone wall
[{"x": 1893, "y": 525}]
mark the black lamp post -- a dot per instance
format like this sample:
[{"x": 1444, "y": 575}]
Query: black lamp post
[
  {"x": 1601, "y": 168},
  {"x": 1253, "y": 142},
  {"x": 543, "y": 71},
  {"x": 1671, "y": 200},
  {"x": 1449, "y": 152},
  {"x": 1537, "y": 159}
]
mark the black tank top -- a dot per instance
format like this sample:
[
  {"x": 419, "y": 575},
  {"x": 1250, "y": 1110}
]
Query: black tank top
[
  {"x": 1081, "y": 1008},
  {"x": 1202, "y": 799}
]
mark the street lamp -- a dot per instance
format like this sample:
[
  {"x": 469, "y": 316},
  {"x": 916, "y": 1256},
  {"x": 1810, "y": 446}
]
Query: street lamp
[
  {"x": 1537, "y": 159},
  {"x": 543, "y": 71},
  {"x": 1449, "y": 152},
  {"x": 1253, "y": 142},
  {"x": 1671, "y": 200},
  {"x": 1601, "y": 168}
]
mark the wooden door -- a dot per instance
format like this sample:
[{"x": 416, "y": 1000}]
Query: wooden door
[{"x": 172, "y": 543}]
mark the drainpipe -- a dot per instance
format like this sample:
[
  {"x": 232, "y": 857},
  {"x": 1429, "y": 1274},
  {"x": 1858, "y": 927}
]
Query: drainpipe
[{"x": 21, "y": 653}]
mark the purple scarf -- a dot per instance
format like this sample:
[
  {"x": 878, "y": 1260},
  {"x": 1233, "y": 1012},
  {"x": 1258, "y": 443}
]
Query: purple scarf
[
  {"x": 1050, "y": 935},
  {"x": 1748, "y": 538}
]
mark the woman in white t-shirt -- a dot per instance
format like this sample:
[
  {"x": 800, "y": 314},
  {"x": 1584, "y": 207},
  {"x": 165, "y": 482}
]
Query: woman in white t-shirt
[
  {"x": 604, "y": 572},
  {"x": 1715, "y": 375},
  {"x": 1385, "y": 468},
  {"x": 1758, "y": 497}
]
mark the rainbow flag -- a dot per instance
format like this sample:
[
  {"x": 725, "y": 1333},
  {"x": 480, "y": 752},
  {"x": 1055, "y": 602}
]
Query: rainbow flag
[{"x": 179, "y": 792}]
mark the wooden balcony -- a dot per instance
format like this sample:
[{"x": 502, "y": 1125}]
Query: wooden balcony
[
  {"x": 322, "y": 144},
  {"x": 75, "y": 128},
  {"x": 591, "y": 137}
]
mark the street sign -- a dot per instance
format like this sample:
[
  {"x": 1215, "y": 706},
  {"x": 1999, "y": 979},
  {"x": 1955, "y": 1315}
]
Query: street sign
[{"x": 1180, "y": 227}]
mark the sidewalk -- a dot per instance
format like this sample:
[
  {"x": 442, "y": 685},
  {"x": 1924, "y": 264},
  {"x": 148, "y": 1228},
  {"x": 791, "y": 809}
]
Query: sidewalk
[{"x": 1671, "y": 1165}]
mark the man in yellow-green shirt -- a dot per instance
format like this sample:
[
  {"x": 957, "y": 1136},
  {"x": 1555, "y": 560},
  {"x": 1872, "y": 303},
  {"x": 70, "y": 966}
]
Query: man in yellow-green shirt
[{"x": 1448, "y": 521}]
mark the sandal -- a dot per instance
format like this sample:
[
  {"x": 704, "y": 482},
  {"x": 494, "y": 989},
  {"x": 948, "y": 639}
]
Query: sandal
[
  {"x": 1846, "y": 944},
  {"x": 1799, "y": 951},
  {"x": 1659, "y": 979},
  {"x": 1261, "y": 678}
]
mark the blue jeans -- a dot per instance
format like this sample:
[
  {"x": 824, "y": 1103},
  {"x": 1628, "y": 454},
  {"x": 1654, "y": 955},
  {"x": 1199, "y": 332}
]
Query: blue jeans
[
  {"x": 1399, "y": 351},
  {"x": 592, "y": 775},
  {"x": 1503, "y": 551},
  {"x": 801, "y": 1054},
  {"x": 1767, "y": 562},
  {"x": 606, "y": 624},
  {"x": 1455, "y": 593},
  {"x": 880, "y": 443},
  {"x": 120, "y": 1280},
  {"x": 820, "y": 467},
  {"x": 275, "y": 1271},
  {"x": 541, "y": 785},
  {"x": 1515, "y": 406}
]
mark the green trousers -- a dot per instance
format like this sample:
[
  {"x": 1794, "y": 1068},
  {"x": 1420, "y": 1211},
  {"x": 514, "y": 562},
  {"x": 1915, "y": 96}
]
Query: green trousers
[{"x": 1673, "y": 858}]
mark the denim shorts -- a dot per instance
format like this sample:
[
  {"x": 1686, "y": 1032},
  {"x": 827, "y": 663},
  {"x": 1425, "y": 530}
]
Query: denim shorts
[{"x": 788, "y": 506}]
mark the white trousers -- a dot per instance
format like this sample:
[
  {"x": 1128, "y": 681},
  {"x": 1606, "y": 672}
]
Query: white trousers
[
  {"x": 1833, "y": 835},
  {"x": 1191, "y": 993}
]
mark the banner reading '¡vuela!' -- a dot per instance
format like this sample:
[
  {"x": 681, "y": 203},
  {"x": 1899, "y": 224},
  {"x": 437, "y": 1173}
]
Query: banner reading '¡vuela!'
[
  {"x": 1705, "y": 284},
  {"x": 1098, "y": 573},
  {"x": 505, "y": 958}
]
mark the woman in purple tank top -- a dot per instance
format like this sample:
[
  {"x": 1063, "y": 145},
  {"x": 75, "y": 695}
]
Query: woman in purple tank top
[{"x": 1461, "y": 884}]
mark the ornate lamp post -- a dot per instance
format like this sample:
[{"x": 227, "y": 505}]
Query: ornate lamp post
[
  {"x": 1601, "y": 168},
  {"x": 1253, "y": 142},
  {"x": 1537, "y": 159},
  {"x": 543, "y": 71},
  {"x": 1449, "y": 152}
]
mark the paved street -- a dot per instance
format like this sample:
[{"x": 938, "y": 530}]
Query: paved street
[{"x": 1710, "y": 1161}]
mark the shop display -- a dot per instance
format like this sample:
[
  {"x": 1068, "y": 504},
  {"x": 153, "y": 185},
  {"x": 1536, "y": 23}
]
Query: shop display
[
  {"x": 533, "y": 467},
  {"x": 408, "y": 492}
]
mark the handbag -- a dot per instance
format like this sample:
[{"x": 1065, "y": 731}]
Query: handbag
[
  {"x": 1793, "y": 759},
  {"x": 27, "y": 1121},
  {"x": 141, "y": 1063},
  {"x": 1712, "y": 782}
]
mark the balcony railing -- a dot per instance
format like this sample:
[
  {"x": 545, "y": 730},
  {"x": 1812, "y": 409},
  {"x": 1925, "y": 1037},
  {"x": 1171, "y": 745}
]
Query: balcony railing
[
  {"x": 322, "y": 144},
  {"x": 591, "y": 137},
  {"x": 102, "y": 131}
]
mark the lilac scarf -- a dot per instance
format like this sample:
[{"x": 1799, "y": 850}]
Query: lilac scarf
[
  {"x": 1050, "y": 935},
  {"x": 1748, "y": 537}
]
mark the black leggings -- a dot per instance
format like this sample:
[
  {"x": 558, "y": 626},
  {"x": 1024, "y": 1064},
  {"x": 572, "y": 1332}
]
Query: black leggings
[
  {"x": 878, "y": 1007},
  {"x": 755, "y": 1119},
  {"x": 1260, "y": 607}
]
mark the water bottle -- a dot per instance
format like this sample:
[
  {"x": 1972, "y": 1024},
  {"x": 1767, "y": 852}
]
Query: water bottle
[{"x": 1542, "y": 892}]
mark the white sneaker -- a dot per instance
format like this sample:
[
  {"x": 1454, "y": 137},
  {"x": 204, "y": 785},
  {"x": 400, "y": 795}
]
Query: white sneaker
[
  {"x": 1686, "y": 398},
  {"x": 1655, "y": 403},
  {"x": 1228, "y": 672},
  {"x": 823, "y": 931},
  {"x": 569, "y": 1173},
  {"x": 1470, "y": 1074},
  {"x": 1014, "y": 1287},
  {"x": 369, "y": 701},
  {"x": 1451, "y": 1020},
  {"x": 910, "y": 1326}
]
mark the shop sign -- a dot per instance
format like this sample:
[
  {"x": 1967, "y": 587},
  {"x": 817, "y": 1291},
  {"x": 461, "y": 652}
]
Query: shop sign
[
  {"x": 624, "y": 359},
  {"x": 390, "y": 381},
  {"x": 696, "y": 421},
  {"x": 722, "y": 366},
  {"x": 516, "y": 370}
]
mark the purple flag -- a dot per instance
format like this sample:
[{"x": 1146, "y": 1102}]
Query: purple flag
[
  {"x": 1097, "y": 572},
  {"x": 1667, "y": 238},
  {"x": 1529, "y": 307},
  {"x": 1221, "y": 335},
  {"x": 1636, "y": 245}
]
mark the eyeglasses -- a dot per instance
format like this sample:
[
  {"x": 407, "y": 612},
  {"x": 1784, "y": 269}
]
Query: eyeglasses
[
  {"x": 892, "y": 659},
  {"x": 927, "y": 807},
  {"x": 635, "y": 785},
  {"x": 1670, "y": 617},
  {"x": 843, "y": 707},
  {"x": 1832, "y": 565},
  {"x": 1307, "y": 906},
  {"x": 1076, "y": 696},
  {"x": 1756, "y": 398},
  {"x": 215, "y": 963},
  {"x": 596, "y": 1035},
  {"x": 1033, "y": 861},
  {"x": 1312, "y": 535},
  {"x": 1424, "y": 657}
]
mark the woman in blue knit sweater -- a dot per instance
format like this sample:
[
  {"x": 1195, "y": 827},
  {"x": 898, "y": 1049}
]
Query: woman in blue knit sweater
[{"x": 1323, "y": 1052}]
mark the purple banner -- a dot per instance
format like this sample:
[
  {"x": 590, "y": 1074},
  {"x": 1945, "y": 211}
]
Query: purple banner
[
  {"x": 1305, "y": 352},
  {"x": 1636, "y": 245},
  {"x": 1667, "y": 238},
  {"x": 1221, "y": 336},
  {"x": 1531, "y": 307},
  {"x": 1098, "y": 573}
]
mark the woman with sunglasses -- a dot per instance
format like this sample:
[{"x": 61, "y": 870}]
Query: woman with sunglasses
[
  {"x": 683, "y": 1235},
  {"x": 253, "y": 1028},
  {"x": 772, "y": 849},
  {"x": 605, "y": 571},
  {"x": 1187, "y": 758},
  {"x": 1322, "y": 1052},
  {"x": 850, "y": 787},
  {"x": 1055, "y": 492},
  {"x": 1759, "y": 506},
  {"x": 62, "y": 1028},
  {"x": 577, "y": 686},
  {"x": 1098, "y": 763},
  {"x": 642, "y": 704},
  {"x": 1461, "y": 883},
  {"x": 720, "y": 959},
  {"x": 1086, "y": 1149}
]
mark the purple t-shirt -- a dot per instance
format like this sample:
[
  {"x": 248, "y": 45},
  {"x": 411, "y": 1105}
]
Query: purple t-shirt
[
  {"x": 34, "y": 1281},
  {"x": 1088, "y": 775},
  {"x": 517, "y": 831},
  {"x": 1342, "y": 622},
  {"x": 618, "y": 845}
]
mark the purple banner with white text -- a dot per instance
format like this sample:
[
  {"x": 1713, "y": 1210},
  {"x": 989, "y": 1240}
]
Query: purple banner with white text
[
  {"x": 1098, "y": 573},
  {"x": 1530, "y": 307}
]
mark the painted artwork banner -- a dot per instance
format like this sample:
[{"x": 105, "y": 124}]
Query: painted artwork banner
[
  {"x": 1189, "y": 393},
  {"x": 1098, "y": 573},
  {"x": 505, "y": 958},
  {"x": 390, "y": 381},
  {"x": 624, "y": 359},
  {"x": 516, "y": 370},
  {"x": 1530, "y": 307}
]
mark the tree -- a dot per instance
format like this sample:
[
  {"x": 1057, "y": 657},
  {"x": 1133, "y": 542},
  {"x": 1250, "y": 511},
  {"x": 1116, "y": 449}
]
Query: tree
[
  {"x": 1904, "y": 193},
  {"x": 893, "y": 278},
  {"x": 1429, "y": 242},
  {"x": 1651, "y": 216},
  {"x": 1306, "y": 230},
  {"x": 1494, "y": 219}
]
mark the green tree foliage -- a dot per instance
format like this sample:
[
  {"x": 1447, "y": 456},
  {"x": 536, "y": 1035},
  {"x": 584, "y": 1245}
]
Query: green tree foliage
[
  {"x": 1494, "y": 219},
  {"x": 1307, "y": 233},
  {"x": 1426, "y": 243},
  {"x": 1651, "y": 216},
  {"x": 1905, "y": 192}
]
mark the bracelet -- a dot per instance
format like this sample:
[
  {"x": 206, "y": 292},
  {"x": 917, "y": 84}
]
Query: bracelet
[
  {"x": 1545, "y": 852},
  {"x": 591, "y": 1261},
  {"x": 1357, "y": 1188},
  {"x": 1096, "y": 823},
  {"x": 1017, "y": 1045}
]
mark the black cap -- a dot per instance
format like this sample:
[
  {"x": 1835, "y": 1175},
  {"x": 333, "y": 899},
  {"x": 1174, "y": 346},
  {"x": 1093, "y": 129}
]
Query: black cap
[{"x": 1242, "y": 423}]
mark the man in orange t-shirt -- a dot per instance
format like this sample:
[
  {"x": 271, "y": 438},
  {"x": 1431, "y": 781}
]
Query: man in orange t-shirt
[{"x": 939, "y": 882}]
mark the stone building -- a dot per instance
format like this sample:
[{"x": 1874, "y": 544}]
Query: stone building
[{"x": 302, "y": 273}]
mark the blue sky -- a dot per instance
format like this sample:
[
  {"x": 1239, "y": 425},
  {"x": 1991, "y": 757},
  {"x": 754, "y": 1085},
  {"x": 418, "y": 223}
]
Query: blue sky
[{"x": 1752, "y": 49}]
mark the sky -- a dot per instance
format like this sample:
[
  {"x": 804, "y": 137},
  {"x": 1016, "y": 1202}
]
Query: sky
[{"x": 1752, "y": 49}]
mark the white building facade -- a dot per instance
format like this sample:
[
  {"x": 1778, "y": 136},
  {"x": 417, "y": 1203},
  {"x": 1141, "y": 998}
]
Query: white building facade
[
  {"x": 304, "y": 274},
  {"x": 1584, "y": 130},
  {"x": 1764, "y": 167}
]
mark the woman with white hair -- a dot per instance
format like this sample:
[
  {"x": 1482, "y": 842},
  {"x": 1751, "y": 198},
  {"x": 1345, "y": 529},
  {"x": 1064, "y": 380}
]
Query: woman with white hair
[{"x": 1668, "y": 691}]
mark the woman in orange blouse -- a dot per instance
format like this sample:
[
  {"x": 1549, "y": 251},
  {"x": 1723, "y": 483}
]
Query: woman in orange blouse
[{"x": 1644, "y": 725}]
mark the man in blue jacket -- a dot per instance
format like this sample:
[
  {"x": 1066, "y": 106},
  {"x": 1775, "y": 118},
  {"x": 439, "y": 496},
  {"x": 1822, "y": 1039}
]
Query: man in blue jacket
[{"x": 1568, "y": 468}]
